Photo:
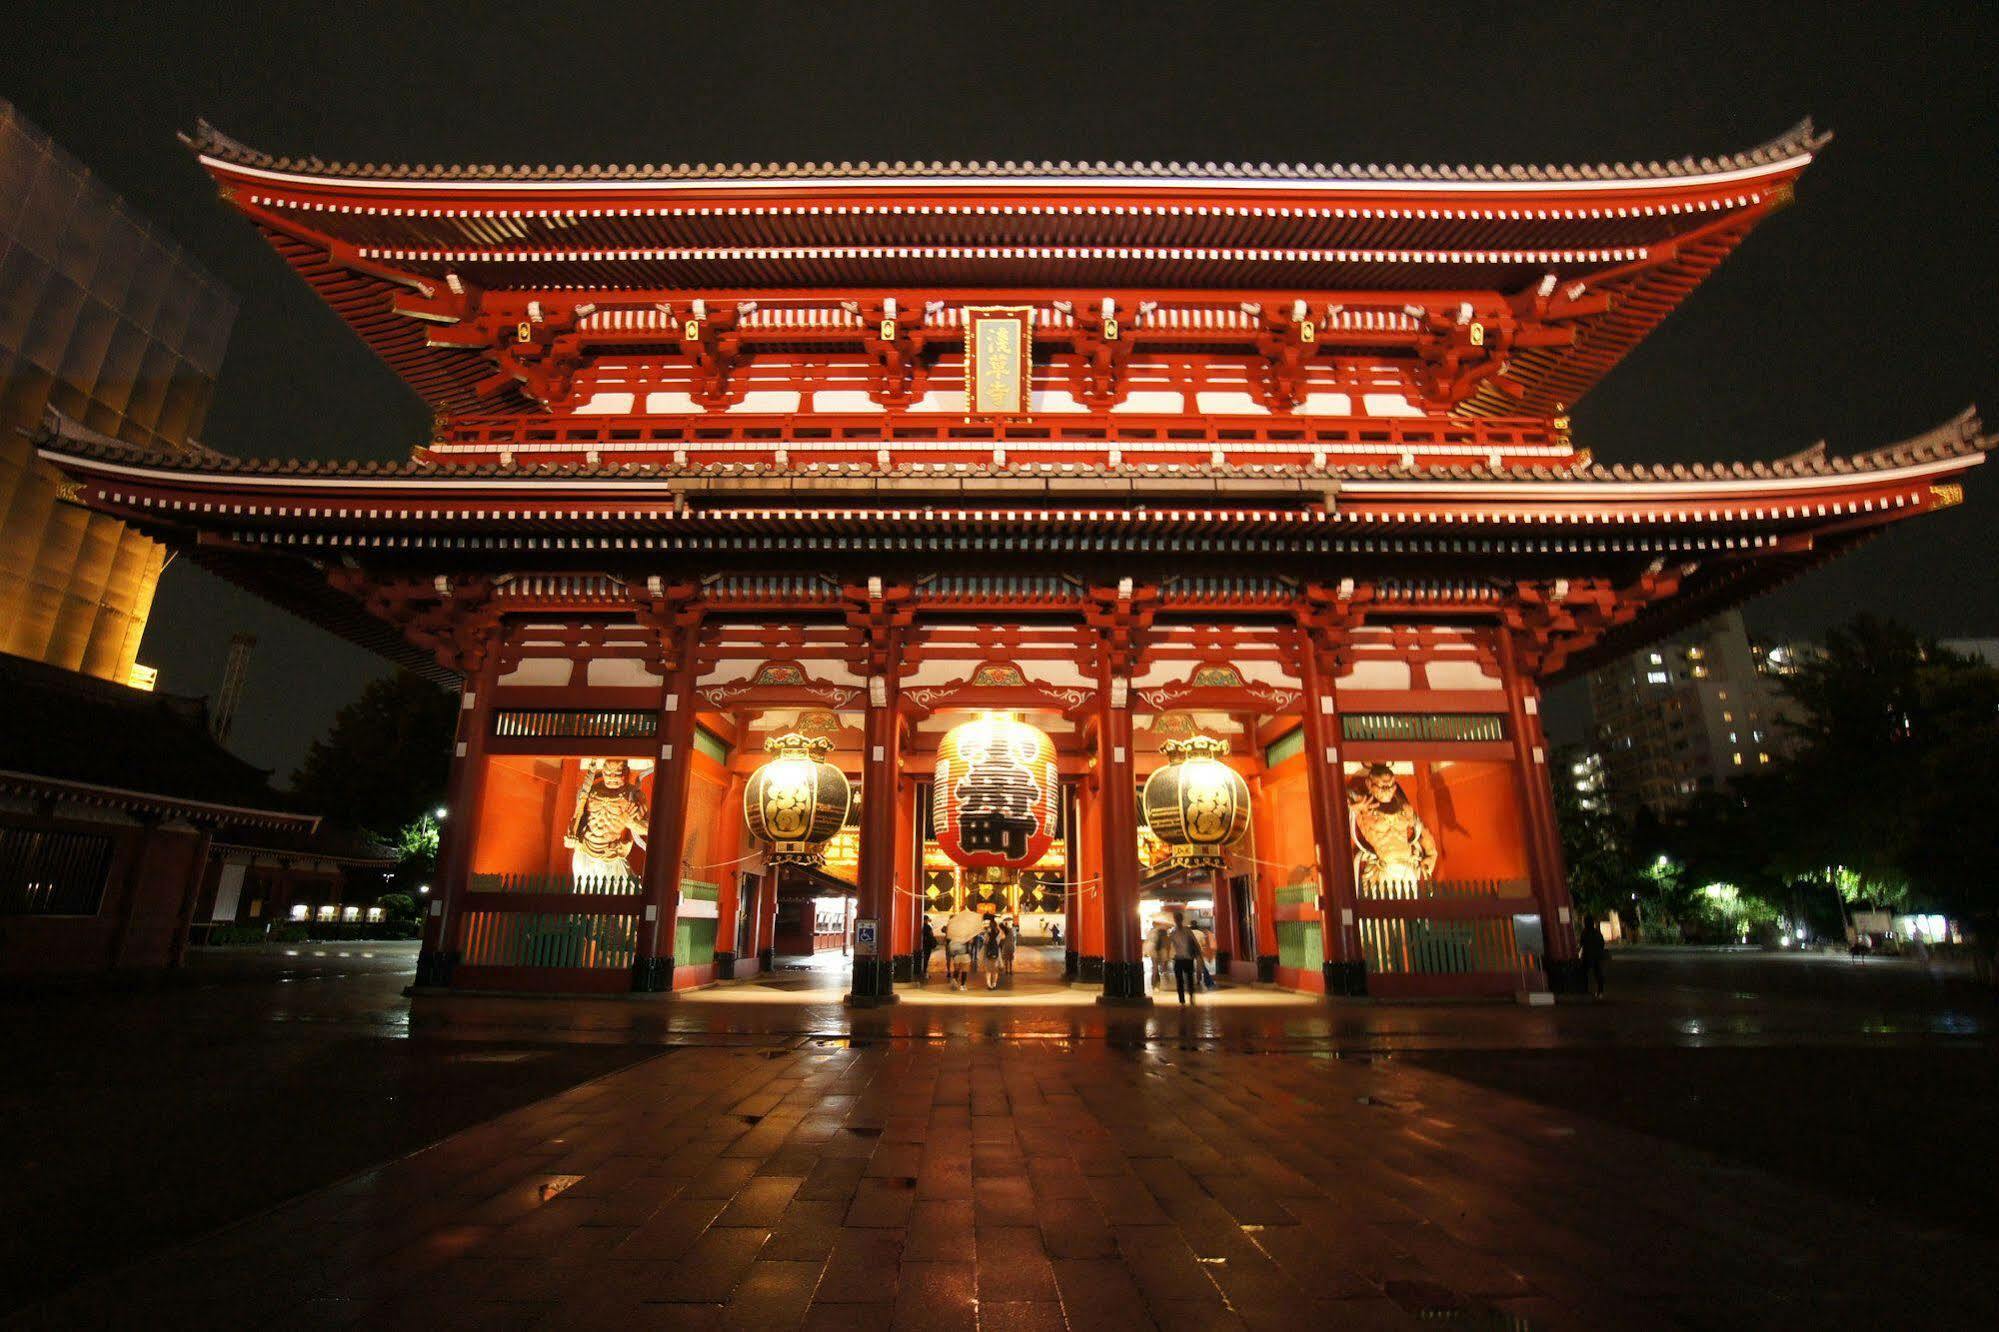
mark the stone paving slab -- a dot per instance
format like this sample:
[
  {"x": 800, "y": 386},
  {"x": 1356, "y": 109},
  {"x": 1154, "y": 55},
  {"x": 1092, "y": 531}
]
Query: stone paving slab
[{"x": 976, "y": 1183}]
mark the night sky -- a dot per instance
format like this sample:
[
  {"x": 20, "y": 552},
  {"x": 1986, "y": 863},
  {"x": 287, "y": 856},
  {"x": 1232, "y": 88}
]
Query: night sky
[{"x": 1862, "y": 315}]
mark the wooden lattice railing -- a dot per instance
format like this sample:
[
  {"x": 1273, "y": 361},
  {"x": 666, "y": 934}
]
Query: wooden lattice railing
[{"x": 550, "y": 884}]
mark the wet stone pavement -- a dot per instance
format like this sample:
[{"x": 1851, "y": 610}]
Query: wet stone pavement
[{"x": 1246, "y": 1167}]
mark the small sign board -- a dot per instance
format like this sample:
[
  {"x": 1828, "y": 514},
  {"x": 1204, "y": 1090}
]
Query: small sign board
[
  {"x": 1528, "y": 935},
  {"x": 866, "y": 934}
]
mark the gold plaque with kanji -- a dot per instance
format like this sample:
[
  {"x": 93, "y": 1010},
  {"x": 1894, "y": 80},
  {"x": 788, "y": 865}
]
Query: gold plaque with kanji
[{"x": 999, "y": 356}]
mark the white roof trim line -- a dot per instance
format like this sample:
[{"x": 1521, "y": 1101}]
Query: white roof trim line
[
  {"x": 1656, "y": 489},
  {"x": 1232, "y": 184}
]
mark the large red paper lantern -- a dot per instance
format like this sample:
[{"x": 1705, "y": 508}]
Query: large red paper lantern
[{"x": 993, "y": 802}]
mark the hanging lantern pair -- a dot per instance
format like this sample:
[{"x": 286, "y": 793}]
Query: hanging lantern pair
[
  {"x": 1197, "y": 805},
  {"x": 993, "y": 801},
  {"x": 796, "y": 801}
]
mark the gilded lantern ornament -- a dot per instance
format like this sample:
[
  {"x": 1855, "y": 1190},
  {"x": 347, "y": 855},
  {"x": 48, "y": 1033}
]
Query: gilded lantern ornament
[
  {"x": 797, "y": 800},
  {"x": 1197, "y": 805},
  {"x": 993, "y": 802}
]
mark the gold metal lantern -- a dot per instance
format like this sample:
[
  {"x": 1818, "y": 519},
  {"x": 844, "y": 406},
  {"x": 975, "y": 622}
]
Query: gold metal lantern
[
  {"x": 797, "y": 800},
  {"x": 1197, "y": 805}
]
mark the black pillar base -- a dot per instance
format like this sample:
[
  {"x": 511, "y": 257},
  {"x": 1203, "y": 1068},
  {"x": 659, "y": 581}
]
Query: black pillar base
[
  {"x": 874, "y": 982},
  {"x": 1224, "y": 959},
  {"x": 905, "y": 967},
  {"x": 763, "y": 960},
  {"x": 1089, "y": 970},
  {"x": 652, "y": 975},
  {"x": 725, "y": 966},
  {"x": 1124, "y": 983},
  {"x": 1346, "y": 980},
  {"x": 1567, "y": 975},
  {"x": 1069, "y": 961},
  {"x": 1266, "y": 967},
  {"x": 434, "y": 967}
]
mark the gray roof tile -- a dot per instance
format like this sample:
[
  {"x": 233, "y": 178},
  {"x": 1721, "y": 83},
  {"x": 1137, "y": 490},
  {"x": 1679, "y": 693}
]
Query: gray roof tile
[{"x": 1803, "y": 137}]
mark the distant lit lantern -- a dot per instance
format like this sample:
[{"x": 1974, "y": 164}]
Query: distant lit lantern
[
  {"x": 796, "y": 800},
  {"x": 994, "y": 798},
  {"x": 1197, "y": 805}
]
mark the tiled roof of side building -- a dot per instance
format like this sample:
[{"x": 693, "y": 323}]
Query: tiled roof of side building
[
  {"x": 1963, "y": 436},
  {"x": 76, "y": 728},
  {"x": 1800, "y": 140}
]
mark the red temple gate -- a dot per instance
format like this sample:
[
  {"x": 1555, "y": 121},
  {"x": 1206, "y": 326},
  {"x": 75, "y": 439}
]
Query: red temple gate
[{"x": 1279, "y": 457}]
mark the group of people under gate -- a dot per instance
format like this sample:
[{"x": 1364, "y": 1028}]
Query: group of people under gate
[
  {"x": 984, "y": 946},
  {"x": 973, "y": 944}
]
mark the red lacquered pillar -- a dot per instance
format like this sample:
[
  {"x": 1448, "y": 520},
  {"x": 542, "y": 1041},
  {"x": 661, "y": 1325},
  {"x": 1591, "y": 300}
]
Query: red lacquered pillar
[
  {"x": 1072, "y": 871},
  {"x": 766, "y": 927},
  {"x": 444, "y": 926},
  {"x": 1117, "y": 815},
  {"x": 1345, "y": 968},
  {"x": 1263, "y": 883},
  {"x": 666, "y": 829},
  {"x": 729, "y": 895},
  {"x": 1089, "y": 944},
  {"x": 874, "y": 974},
  {"x": 907, "y": 933},
  {"x": 1537, "y": 808},
  {"x": 1225, "y": 943}
]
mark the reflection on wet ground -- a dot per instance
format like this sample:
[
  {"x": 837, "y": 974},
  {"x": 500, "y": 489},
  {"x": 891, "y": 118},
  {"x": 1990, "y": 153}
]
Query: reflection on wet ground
[
  {"x": 1696, "y": 999},
  {"x": 1769, "y": 1097},
  {"x": 139, "y": 1117}
]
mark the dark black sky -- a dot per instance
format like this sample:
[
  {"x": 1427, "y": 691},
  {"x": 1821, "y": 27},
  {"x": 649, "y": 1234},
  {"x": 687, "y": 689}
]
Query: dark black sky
[{"x": 1862, "y": 315}]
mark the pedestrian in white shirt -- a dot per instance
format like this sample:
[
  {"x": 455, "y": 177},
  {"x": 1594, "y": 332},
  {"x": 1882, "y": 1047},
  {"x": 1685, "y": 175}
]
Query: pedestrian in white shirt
[{"x": 1186, "y": 946}]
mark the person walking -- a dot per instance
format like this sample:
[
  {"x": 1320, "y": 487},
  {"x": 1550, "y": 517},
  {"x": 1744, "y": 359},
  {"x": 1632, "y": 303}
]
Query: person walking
[
  {"x": 1009, "y": 937},
  {"x": 991, "y": 958},
  {"x": 1162, "y": 954},
  {"x": 1186, "y": 947},
  {"x": 959, "y": 932},
  {"x": 1593, "y": 951},
  {"x": 929, "y": 947}
]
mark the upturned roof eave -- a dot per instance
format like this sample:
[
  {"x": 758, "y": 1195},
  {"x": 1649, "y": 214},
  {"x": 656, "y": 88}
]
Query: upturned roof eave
[
  {"x": 1789, "y": 151},
  {"x": 1958, "y": 443}
]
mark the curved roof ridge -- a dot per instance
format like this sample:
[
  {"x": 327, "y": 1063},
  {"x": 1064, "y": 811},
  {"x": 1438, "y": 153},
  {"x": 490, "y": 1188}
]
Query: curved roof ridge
[
  {"x": 1961, "y": 435},
  {"x": 1801, "y": 139},
  {"x": 56, "y": 427}
]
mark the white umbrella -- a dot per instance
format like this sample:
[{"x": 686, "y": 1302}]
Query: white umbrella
[{"x": 963, "y": 927}]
